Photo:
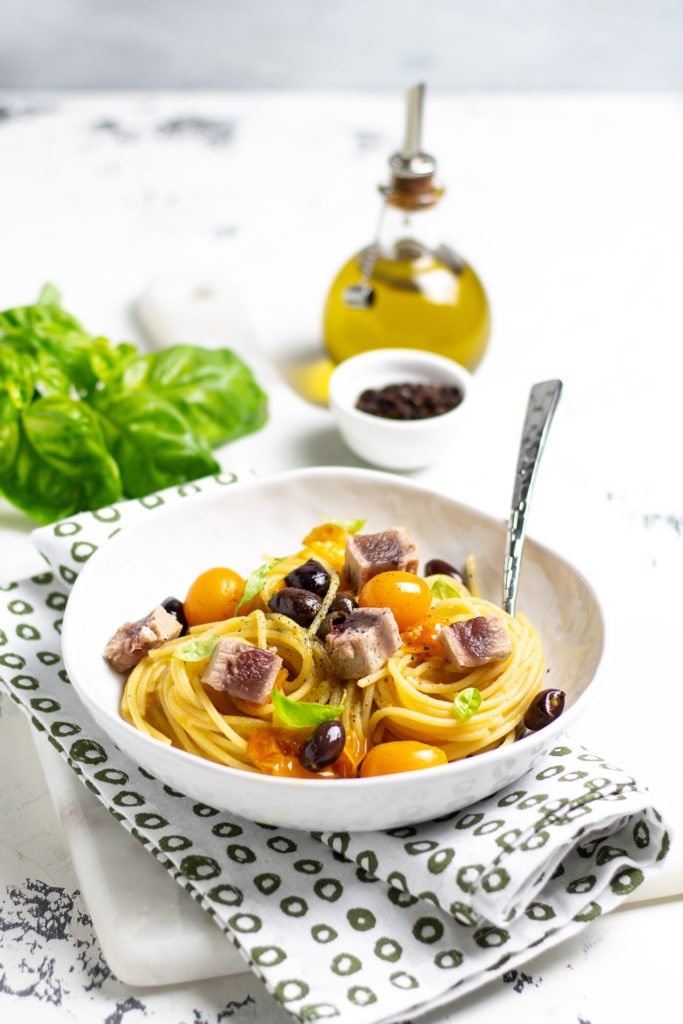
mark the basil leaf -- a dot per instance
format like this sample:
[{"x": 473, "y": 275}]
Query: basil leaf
[
  {"x": 42, "y": 322},
  {"x": 49, "y": 296},
  {"x": 59, "y": 344},
  {"x": 197, "y": 650},
  {"x": 255, "y": 582},
  {"x": 300, "y": 715},
  {"x": 212, "y": 388},
  {"x": 61, "y": 463},
  {"x": 153, "y": 444},
  {"x": 31, "y": 367},
  {"x": 442, "y": 590},
  {"x": 466, "y": 704},
  {"x": 350, "y": 525},
  {"x": 109, "y": 362},
  {"x": 9, "y": 432},
  {"x": 17, "y": 374}
]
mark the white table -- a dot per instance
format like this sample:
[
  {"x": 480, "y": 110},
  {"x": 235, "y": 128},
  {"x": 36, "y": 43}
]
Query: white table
[{"x": 570, "y": 208}]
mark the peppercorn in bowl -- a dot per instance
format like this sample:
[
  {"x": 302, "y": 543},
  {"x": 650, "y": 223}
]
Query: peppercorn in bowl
[{"x": 400, "y": 408}]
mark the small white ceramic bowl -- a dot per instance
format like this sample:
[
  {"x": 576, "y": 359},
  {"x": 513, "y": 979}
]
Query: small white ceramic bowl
[{"x": 397, "y": 444}]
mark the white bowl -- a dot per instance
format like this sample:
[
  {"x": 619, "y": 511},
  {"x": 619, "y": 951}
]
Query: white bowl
[
  {"x": 396, "y": 444},
  {"x": 162, "y": 553}
]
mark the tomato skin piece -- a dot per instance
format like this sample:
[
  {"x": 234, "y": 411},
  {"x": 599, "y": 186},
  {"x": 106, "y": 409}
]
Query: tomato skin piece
[
  {"x": 406, "y": 595},
  {"x": 424, "y": 636},
  {"x": 277, "y": 751},
  {"x": 401, "y": 756},
  {"x": 213, "y": 596}
]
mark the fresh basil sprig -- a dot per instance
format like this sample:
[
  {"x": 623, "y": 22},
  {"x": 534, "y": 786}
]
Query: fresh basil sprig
[
  {"x": 197, "y": 650},
  {"x": 442, "y": 590},
  {"x": 300, "y": 715},
  {"x": 84, "y": 423},
  {"x": 255, "y": 582},
  {"x": 466, "y": 704}
]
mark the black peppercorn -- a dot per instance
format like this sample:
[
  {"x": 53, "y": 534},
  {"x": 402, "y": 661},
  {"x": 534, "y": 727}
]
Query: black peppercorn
[{"x": 409, "y": 401}]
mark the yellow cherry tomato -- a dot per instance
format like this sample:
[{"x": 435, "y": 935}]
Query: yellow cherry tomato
[
  {"x": 401, "y": 756},
  {"x": 213, "y": 596},
  {"x": 329, "y": 542},
  {"x": 405, "y": 594}
]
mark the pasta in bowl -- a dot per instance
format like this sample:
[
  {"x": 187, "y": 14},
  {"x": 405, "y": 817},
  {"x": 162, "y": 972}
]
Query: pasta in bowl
[{"x": 389, "y": 678}]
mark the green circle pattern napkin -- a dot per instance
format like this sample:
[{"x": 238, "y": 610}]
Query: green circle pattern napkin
[{"x": 359, "y": 927}]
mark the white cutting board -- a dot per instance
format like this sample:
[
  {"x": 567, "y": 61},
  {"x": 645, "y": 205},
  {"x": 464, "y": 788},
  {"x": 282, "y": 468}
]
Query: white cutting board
[{"x": 150, "y": 929}]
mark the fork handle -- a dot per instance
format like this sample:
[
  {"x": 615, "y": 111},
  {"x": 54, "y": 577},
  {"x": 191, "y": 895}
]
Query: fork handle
[{"x": 543, "y": 399}]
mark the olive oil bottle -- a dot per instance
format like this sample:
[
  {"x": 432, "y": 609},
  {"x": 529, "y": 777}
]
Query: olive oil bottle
[{"x": 408, "y": 289}]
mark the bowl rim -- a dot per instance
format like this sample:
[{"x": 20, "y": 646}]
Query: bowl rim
[{"x": 439, "y": 772}]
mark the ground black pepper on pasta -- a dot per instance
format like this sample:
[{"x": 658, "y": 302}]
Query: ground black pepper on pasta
[{"x": 410, "y": 698}]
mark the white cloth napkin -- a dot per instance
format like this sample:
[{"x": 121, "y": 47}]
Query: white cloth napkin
[{"x": 362, "y": 927}]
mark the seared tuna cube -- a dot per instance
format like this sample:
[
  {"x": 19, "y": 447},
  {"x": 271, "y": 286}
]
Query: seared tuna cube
[
  {"x": 368, "y": 554},
  {"x": 241, "y": 670},
  {"x": 475, "y": 642},
  {"x": 131, "y": 641},
  {"x": 363, "y": 643}
]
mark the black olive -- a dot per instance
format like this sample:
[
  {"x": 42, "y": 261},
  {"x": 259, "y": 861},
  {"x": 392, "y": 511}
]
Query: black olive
[
  {"x": 309, "y": 576},
  {"x": 331, "y": 620},
  {"x": 324, "y": 746},
  {"x": 438, "y": 565},
  {"x": 300, "y": 605},
  {"x": 175, "y": 607},
  {"x": 343, "y": 602},
  {"x": 544, "y": 709}
]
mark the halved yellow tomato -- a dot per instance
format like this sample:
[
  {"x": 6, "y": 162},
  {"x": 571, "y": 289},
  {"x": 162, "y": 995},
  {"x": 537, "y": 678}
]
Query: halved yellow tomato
[{"x": 401, "y": 756}]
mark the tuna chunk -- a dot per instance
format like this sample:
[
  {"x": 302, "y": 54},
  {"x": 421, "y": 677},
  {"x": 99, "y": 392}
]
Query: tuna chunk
[
  {"x": 475, "y": 642},
  {"x": 368, "y": 554},
  {"x": 131, "y": 641},
  {"x": 241, "y": 670},
  {"x": 363, "y": 643}
]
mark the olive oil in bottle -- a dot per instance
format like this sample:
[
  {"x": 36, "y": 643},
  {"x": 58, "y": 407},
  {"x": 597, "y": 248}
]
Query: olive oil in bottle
[{"x": 408, "y": 289}]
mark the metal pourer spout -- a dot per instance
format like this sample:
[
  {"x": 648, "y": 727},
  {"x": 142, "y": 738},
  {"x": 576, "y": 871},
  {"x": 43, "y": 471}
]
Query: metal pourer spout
[
  {"x": 414, "y": 109},
  {"x": 410, "y": 166},
  {"x": 410, "y": 161}
]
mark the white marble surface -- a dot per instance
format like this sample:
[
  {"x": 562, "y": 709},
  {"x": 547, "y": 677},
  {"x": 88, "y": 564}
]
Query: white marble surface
[{"x": 571, "y": 210}]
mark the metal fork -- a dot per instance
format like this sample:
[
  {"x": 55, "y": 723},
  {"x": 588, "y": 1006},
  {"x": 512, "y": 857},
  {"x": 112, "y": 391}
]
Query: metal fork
[{"x": 543, "y": 399}]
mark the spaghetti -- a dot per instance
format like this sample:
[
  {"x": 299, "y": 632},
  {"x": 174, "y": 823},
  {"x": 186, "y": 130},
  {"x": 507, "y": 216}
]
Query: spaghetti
[{"x": 411, "y": 697}]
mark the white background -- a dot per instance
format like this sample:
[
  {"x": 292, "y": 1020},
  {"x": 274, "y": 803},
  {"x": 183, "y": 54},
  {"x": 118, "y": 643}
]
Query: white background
[
  {"x": 567, "y": 199},
  {"x": 358, "y": 44}
]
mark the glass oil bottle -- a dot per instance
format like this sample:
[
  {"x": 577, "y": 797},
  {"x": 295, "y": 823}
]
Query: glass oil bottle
[{"x": 408, "y": 289}]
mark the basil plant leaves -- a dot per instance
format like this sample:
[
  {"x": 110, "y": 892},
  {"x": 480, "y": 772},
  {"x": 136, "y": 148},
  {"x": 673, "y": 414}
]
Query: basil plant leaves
[{"x": 85, "y": 423}]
